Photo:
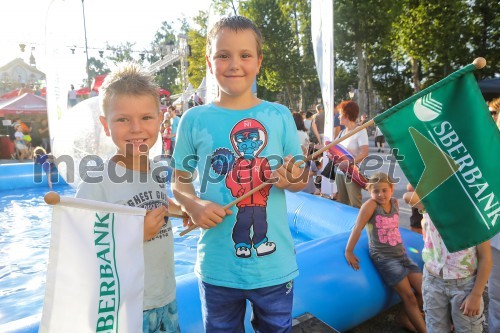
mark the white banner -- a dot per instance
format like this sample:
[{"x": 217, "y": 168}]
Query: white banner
[
  {"x": 95, "y": 275},
  {"x": 322, "y": 40}
]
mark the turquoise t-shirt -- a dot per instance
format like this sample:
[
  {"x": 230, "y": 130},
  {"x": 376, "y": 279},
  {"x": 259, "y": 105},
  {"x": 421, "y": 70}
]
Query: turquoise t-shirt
[{"x": 233, "y": 152}]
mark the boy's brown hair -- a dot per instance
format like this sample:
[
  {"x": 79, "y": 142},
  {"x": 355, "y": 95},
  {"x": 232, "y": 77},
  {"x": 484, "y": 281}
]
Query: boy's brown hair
[
  {"x": 236, "y": 24},
  {"x": 128, "y": 79}
]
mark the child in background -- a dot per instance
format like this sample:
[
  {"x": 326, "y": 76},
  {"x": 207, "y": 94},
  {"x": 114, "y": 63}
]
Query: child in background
[
  {"x": 20, "y": 144},
  {"x": 132, "y": 117},
  {"x": 453, "y": 283},
  {"x": 380, "y": 214},
  {"x": 166, "y": 129},
  {"x": 40, "y": 157},
  {"x": 232, "y": 142}
]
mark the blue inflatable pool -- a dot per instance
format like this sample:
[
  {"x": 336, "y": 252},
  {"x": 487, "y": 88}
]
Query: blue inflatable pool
[{"x": 326, "y": 287}]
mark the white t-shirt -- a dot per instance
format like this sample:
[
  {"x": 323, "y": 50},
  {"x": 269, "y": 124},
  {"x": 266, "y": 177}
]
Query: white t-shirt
[
  {"x": 147, "y": 190},
  {"x": 354, "y": 143},
  {"x": 303, "y": 138}
]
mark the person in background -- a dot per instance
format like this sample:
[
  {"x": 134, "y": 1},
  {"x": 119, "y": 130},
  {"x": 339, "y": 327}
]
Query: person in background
[
  {"x": 72, "y": 96},
  {"x": 349, "y": 192},
  {"x": 318, "y": 124},
  {"x": 132, "y": 118},
  {"x": 43, "y": 132},
  {"x": 301, "y": 131},
  {"x": 23, "y": 151},
  {"x": 380, "y": 214},
  {"x": 379, "y": 139},
  {"x": 174, "y": 124},
  {"x": 308, "y": 120},
  {"x": 166, "y": 130},
  {"x": 494, "y": 107},
  {"x": 494, "y": 281},
  {"x": 41, "y": 158},
  {"x": 248, "y": 254},
  {"x": 453, "y": 283}
]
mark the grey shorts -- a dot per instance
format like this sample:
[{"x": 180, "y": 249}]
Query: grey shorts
[
  {"x": 394, "y": 270},
  {"x": 442, "y": 301}
]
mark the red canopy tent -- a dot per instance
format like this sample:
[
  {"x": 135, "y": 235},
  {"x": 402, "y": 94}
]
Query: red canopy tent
[
  {"x": 82, "y": 91},
  {"x": 24, "y": 104},
  {"x": 98, "y": 80},
  {"x": 11, "y": 94},
  {"x": 163, "y": 92}
]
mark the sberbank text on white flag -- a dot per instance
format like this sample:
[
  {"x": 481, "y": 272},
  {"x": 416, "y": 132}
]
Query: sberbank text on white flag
[{"x": 95, "y": 274}]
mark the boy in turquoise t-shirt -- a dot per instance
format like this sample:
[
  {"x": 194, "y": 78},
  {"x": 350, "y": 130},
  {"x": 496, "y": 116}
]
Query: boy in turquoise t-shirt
[{"x": 237, "y": 143}]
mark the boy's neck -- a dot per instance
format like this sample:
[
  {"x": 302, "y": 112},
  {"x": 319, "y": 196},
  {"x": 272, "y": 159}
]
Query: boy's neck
[
  {"x": 136, "y": 163},
  {"x": 237, "y": 102}
]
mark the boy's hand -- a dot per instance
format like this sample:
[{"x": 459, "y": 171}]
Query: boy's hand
[
  {"x": 288, "y": 174},
  {"x": 352, "y": 260},
  {"x": 471, "y": 305},
  {"x": 207, "y": 214},
  {"x": 153, "y": 221},
  {"x": 175, "y": 208}
]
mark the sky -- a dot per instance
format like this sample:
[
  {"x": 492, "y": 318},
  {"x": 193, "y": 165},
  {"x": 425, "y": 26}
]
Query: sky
[{"x": 114, "y": 21}]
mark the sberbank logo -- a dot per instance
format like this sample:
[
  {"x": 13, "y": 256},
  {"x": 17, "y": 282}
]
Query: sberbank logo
[{"x": 427, "y": 108}]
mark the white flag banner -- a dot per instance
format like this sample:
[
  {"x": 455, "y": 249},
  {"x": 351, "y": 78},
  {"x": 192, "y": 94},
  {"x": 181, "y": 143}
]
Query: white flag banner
[
  {"x": 322, "y": 40},
  {"x": 95, "y": 274}
]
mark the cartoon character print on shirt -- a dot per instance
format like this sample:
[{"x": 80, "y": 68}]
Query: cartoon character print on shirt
[
  {"x": 388, "y": 229},
  {"x": 248, "y": 138}
]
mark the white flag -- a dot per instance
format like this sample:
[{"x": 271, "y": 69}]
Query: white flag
[
  {"x": 95, "y": 275},
  {"x": 322, "y": 40}
]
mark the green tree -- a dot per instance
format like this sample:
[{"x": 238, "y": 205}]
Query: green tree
[
  {"x": 121, "y": 53},
  {"x": 485, "y": 23},
  {"x": 197, "y": 37},
  {"x": 279, "y": 71},
  {"x": 423, "y": 33},
  {"x": 97, "y": 67},
  {"x": 163, "y": 44}
]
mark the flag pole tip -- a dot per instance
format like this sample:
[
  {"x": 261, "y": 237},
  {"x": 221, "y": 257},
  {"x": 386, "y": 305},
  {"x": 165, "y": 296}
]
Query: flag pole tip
[
  {"x": 479, "y": 62},
  {"x": 52, "y": 198}
]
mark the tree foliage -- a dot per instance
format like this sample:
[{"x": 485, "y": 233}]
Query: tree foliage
[{"x": 385, "y": 50}]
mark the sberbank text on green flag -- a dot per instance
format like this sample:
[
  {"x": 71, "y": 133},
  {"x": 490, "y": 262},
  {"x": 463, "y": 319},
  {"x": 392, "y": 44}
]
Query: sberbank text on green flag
[{"x": 449, "y": 148}]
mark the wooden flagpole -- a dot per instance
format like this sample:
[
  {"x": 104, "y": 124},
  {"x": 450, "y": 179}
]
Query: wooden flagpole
[{"x": 298, "y": 163}]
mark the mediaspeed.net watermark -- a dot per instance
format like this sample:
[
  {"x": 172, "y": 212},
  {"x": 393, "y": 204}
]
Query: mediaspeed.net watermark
[{"x": 92, "y": 169}]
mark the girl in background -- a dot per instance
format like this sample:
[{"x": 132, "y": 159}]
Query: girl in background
[{"x": 381, "y": 216}]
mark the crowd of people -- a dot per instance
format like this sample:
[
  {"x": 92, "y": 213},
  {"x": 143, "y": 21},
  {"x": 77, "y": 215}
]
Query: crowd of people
[
  {"x": 246, "y": 252},
  {"x": 26, "y": 136}
]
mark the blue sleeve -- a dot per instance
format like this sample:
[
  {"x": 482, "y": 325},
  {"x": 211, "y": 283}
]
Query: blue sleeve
[
  {"x": 175, "y": 125},
  {"x": 184, "y": 158},
  {"x": 336, "y": 120},
  {"x": 291, "y": 143}
]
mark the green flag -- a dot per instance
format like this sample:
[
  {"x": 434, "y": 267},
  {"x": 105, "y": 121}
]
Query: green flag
[{"x": 449, "y": 149}]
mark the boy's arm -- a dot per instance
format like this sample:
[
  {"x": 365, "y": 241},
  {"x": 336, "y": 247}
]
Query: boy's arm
[
  {"x": 365, "y": 212},
  {"x": 292, "y": 177},
  {"x": 204, "y": 213},
  {"x": 472, "y": 303}
]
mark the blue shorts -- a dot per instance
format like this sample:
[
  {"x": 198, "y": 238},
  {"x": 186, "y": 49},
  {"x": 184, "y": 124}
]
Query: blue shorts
[
  {"x": 164, "y": 319},
  {"x": 224, "y": 308},
  {"x": 394, "y": 269}
]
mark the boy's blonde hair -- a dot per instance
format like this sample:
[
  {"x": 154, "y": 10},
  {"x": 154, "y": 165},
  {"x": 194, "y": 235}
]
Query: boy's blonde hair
[
  {"x": 128, "y": 79},
  {"x": 236, "y": 24},
  {"x": 379, "y": 177}
]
